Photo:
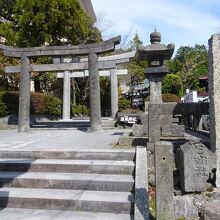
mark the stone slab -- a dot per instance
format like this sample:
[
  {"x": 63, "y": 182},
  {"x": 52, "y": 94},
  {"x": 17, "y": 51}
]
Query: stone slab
[
  {"x": 138, "y": 130},
  {"x": 172, "y": 130},
  {"x": 74, "y": 200},
  {"x": 141, "y": 210},
  {"x": 195, "y": 162},
  {"x": 164, "y": 181},
  {"x": 75, "y": 181},
  {"x": 168, "y": 119},
  {"x": 71, "y": 166},
  {"x": 78, "y": 154},
  {"x": 37, "y": 214}
]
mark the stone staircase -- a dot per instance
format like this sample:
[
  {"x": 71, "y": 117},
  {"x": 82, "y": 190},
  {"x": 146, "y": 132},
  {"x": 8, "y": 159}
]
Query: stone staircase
[
  {"x": 84, "y": 124},
  {"x": 79, "y": 184}
]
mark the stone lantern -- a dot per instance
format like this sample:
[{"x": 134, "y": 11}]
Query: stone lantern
[{"x": 156, "y": 54}]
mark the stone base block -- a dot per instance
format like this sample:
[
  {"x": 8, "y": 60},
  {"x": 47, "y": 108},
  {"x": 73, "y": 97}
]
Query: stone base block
[
  {"x": 172, "y": 130},
  {"x": 138, "y": 130}
]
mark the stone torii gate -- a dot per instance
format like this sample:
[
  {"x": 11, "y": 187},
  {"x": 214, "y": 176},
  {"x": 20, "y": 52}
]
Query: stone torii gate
[
  {"x": 66, "y": 76},
  {"x": 90, "y": 50},
  {"x": 109, "y": 63}
]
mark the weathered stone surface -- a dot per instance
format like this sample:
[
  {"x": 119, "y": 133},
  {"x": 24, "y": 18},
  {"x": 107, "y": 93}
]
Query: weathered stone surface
[
  {"x": 184, "y": 207},
  {"x": 66, "y": 96},
  {"x": 155, "y": 54},
  {"x": 24, "y": 96},
  {"x": 132, "y": 141},
  {"x": 114, "y": 93},
  {"x": 138, "y": 130},
  {"x": 94, "y": 92},
  {"x": 164, "y": 180},
  {"x": 172, "y": 130},
  {"x": 216, "y": 194},
  {"x": 211, "y": 210},
  {"x": 144, "y": 121},
  {"x": 98, "y": 48},
  {"x": 155, "y": 90},
  {"x": 154, "y": 122},
  {"x": 199, "y": 200},
  {"x": 141, "y": 211},
  {"x": 195, "y": 162},
  {"x": 214, "y": 91},
  {"x": 168, "y": 119}
]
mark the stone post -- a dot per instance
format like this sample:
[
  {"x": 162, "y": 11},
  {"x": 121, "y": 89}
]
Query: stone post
[
  {"x": 164, "y": 180},
  {"x": 94, "y": 91},
  {"x": 214, "y": 93},
  {"x": 66, "y": 96},
  {"x": 154, "y": 123},
  {"x": 155, "y": 90},
  {"x": 114, "y": 93},
  {"x": 24, "y": 96}
]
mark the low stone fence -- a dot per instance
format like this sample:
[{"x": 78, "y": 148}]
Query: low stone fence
[{"x": 11, "y": 121}]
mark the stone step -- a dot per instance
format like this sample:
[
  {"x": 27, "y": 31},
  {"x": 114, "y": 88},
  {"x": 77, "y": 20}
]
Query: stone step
[
  {"x": 36, "y": 214},
  {"x": 86, "y": 154},
  {"x": 74, "y": 200},
  {"x": 68, "y": 166},
  {"x": 76, "y": 181},
  {"x": 61, "y": 124}
]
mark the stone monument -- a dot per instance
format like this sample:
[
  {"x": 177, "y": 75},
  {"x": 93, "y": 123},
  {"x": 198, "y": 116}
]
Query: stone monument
[
  {"x": 214, "y": 91},
  {"x": 195, "y": 163}
]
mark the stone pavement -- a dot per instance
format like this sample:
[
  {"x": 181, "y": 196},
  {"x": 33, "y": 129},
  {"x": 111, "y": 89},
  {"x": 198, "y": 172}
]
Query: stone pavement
[{"x": 58, "y": 139}]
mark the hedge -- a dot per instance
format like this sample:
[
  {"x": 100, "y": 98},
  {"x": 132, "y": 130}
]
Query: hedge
[
  {"x": 167, "y": 97},
  {"x": 41, "y": 104},
  {"x": 80, "y": 110},
  {"x": 123, "y": 104},
  {"x": 170, "y": 98},
  {"x": 3, "y": 107}
]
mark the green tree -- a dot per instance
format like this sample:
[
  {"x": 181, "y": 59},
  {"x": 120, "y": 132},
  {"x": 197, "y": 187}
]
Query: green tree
[
  {"x": 136, "y": 66},
  {"x": 189, "y": 64},
  {"x": 172, "y": 84},
  {"x": 28, "y": 23}
]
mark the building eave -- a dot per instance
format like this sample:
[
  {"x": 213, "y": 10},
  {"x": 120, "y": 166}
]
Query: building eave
[{"x": 88, "y": 8}]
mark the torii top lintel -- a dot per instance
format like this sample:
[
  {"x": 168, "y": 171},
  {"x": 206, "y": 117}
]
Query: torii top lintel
[{"x": 98, "y": 48}]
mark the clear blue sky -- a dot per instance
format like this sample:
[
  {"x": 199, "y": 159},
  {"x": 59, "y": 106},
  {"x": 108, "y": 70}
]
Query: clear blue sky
[{"x": 183, "y": 22}]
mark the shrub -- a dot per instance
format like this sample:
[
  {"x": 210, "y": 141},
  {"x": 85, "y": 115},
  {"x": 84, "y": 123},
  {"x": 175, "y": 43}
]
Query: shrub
[
  {"x": 123, "y": 104},
  {"x": 37, "y": 103},
  {"x": 3, "y": 107},
  {"x": 170, "y": 98},
  {"x": 52, "y": 105},
  {"x": 11, "y": 100},
  {"x": 80, "y": 110},
  {"x": 166, "y": 97},
  {"x": 40, "y": 103}
]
